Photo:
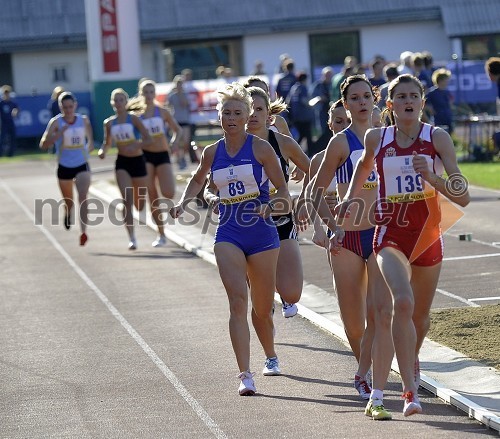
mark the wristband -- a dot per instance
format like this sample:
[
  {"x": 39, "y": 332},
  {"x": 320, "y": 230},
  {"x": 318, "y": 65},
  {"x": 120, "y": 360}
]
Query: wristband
[{"x": 271, "y": 206}]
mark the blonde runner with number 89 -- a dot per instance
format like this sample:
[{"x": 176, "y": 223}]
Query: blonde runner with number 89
[{"x": 246, "y": 240}]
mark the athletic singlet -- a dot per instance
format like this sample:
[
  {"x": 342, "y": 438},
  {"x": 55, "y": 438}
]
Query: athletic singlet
[
  {"x": 155, "y": 124},
  {"x": 124, "y": 133},
  {"x": 241, "y": 182},
  {"x": 71, "y": 148},
  {"x": 283, "y": 163},
  {"x": 345, "y": 171},
  {"x": 405, "y": 199}
]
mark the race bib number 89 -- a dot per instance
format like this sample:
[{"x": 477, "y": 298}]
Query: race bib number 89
[{"x": 236, "y": 184}]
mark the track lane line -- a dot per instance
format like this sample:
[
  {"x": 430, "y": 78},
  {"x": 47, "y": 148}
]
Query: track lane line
[{"x": 183, "y": 392}]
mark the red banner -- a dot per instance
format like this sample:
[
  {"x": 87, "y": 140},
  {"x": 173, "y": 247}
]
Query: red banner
[{"x": 109, "y": 36}]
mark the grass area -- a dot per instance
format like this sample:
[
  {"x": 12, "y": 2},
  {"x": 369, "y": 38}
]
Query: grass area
[
  {"x": 482, "y": 174},
  {"x": 27, "y": 155}
]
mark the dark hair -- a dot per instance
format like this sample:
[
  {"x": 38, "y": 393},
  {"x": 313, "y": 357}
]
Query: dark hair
[
  {"x": 391, "y": 71},
  {"x": 302, "y": 76},
  {"x": 401, "y": 79},
  {"x": 64, "y": 96},
  {"x": 253, "y": 79},
  {"x": 347, "y": 82},
  {"x": 335, "y": 105},
  {"x": 493, "y": 66}
]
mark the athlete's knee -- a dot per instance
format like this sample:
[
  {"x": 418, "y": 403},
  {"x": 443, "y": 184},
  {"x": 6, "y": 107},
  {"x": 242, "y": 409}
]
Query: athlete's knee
[
  {"x": 403, "y": 306},
  {"x": 354, "y": 331},
  {"x": 238, "y": 308},
  {"x": 262, "y": 311}
]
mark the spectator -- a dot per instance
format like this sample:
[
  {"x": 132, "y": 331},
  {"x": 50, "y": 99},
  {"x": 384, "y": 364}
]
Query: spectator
[
  {"x": 286, "y": 80},
  {"x": 285, "y": 83},
  {"x": 439, "y": 100},
  {"x": 376, "y": 77},
  {"x": 301, "y": 113},
  {"x": 419, "y": 70},
  {"x": 405, "y": 65},
  {"x": 282, "y": 58},
  {"x": 492, "y": 67},
  {"x": 350, "y": 63},
  {"x": 258, "y": 69},
  {"x": 187, "y": 74},
  {"x": 8, "y": 112},
  {"x": 390, "y": 73},
  {"x": 429, "y": 63},
  {"x": 219, "y": 72},
  {"x": 179, "y": 106},
  {"x": 321, "y": 90},
  {"x": 53, "y": 104}
]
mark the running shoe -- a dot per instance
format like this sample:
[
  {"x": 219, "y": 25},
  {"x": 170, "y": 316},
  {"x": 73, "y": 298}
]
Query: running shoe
[
  {"x": 247, "y": 386},
  {"x": 132, "y": 245},
  {"x": 412, "y": 404},
  {"x": 160, "y": 241},
  {"x": 271, "y": 367},
  {"x": 362, "y": 387},
  {"x": 288, "y": 309},
  {"x": 83, "y": 239},
  {"x": 376, "y": 410},
  {"x": 416, "y": 373}
]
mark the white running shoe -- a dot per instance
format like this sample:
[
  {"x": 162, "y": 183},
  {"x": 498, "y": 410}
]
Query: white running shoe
[
  {"x": 271, "y": 367},
  {"x": 362, "y": 387},
  {"x": 160, "y": 241},
  {"x": 247, "y": 386},
  {"x": 412, "y": 404},
  {"x": 132, "y": 245},
  {"x": 288, "y": 309}
]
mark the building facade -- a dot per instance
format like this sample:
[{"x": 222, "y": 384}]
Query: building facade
[{"x": 43, "y": 42}]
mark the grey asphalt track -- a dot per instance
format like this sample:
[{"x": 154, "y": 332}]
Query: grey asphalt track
[{"x": 102, "y": 342}]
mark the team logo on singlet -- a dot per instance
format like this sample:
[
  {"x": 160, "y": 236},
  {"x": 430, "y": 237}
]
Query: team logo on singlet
[{"x": 390, "y": 152}]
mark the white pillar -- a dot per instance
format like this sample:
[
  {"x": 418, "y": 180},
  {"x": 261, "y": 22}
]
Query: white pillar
[{"x": 113, "y": 48}]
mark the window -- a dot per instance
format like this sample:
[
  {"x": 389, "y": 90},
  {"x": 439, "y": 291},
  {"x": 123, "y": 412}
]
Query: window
[
  {"x": 59, "y": 74},
  {"x": 203, "y": 59},
  {"x": 480, "y": 46},
  {"x": 331, "y": 49}
]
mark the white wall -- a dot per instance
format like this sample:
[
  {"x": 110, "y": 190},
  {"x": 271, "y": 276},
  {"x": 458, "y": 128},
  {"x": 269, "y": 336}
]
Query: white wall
[
  {"x": 269, "y": 47},
  {"x": 34, "y": 71},
  {"x": 391, "y": 40}
]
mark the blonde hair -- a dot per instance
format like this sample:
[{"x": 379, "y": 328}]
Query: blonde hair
[
  {"x": 439, "y": 75},
  {"x": 118, "y": 91},
  {"x": 56, "y": 92},
  {"x": 234, "y": 91}
]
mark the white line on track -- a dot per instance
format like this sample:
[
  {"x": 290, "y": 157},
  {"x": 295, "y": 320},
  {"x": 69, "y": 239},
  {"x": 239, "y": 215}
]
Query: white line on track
[
  {"x": 193, "y": 403},
  {"x": 454, "y": 296},
  {"x": 482, "y": 299},
  {"x": 458, "y": 258}
]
